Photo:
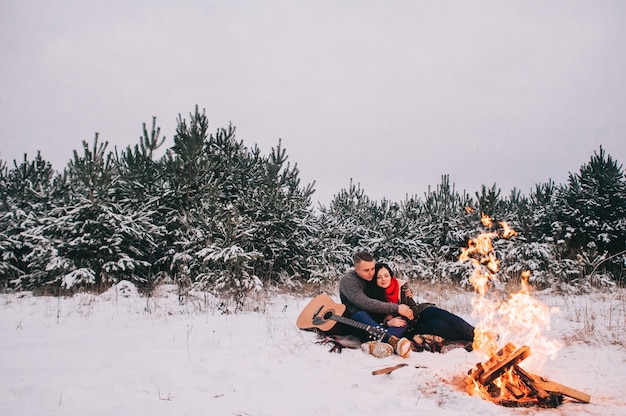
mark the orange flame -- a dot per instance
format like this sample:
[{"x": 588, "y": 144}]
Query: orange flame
[
  {"x": 521, "y": 319},
  {"x": 486, "y": 220},
  {"x": 506, "y": 230}
]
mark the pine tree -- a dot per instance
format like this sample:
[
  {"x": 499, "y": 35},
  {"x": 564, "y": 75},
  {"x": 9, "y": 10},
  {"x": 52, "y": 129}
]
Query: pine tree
[
  {"x": 29, "y": 191},
  {"x": 592, "y": 212},
  {"x": 345, "y": 226},
  {"x": 329, "y": 256},
  {"x": 140, "y": 189},
  {"x": 190, "y": 201},
  {"x": 489, "y": 201},
  {"x": 542, "y": 202},
  {"x": 355, "y": 214},
  {"x": 414, "y": 238},
  {"x": 97, "y": 241},
  {"x": 445, "y": 212},
  {"x": 280, "y": 209},
  {"x": 226, "y": 255},
  {"x": 140, "y": 176},
  {"x": 238, "y": 219}
]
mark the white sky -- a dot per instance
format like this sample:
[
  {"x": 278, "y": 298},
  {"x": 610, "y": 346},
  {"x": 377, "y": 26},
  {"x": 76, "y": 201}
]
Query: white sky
[{"x": 391, "y": 94}]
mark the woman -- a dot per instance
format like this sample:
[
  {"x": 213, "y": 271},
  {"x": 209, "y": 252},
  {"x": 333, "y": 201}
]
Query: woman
[{"x": 429, "y": 319}]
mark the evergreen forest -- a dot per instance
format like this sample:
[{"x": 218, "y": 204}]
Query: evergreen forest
[{"x": 214, "y": 215}]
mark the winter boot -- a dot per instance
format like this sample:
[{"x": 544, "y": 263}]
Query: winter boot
[
  {"x": 402, "y": 346},
  {"x": 428, "y": 342},
  {"x": 377, "y": 349}
]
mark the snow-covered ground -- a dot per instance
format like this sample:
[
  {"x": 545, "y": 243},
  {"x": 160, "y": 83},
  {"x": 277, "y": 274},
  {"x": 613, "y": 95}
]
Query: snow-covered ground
[{"x": 123, "y": 354}]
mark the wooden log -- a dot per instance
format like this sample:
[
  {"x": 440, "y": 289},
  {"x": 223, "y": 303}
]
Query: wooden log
[
  {"x": 514, "y": 390},
  {"x": 388, "y": 370},
  {"x": 530, "y": 382},
  {"x": 502, "y": 354},
  {"x": 475, "y": 374},
  {"x": 552, "y": 387},
  {"x": 503, "y": 364}
]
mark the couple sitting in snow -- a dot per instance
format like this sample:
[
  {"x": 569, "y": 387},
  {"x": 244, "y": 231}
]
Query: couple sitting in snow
[{"x": 373, "y": 296}]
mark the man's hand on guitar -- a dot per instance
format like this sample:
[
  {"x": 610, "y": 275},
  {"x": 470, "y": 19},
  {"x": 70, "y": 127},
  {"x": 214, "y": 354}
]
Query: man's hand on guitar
[{"x": 406, "y": 311}]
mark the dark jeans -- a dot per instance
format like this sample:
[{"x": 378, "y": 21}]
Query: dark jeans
[
  {"x": 366, "y": 318},
  {"x": 432, "y": 320},
  {"x": 440, "y": 322}
]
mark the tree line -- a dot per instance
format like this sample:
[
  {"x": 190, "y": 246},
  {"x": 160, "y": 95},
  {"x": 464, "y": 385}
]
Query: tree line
[{"x": 218, "y": 216}]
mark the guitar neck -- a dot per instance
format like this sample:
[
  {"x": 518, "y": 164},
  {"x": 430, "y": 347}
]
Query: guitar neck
[{"x": 376, "y": 331}]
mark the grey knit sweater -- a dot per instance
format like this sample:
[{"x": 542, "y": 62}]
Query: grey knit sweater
[{"x": 352, "y": 294}]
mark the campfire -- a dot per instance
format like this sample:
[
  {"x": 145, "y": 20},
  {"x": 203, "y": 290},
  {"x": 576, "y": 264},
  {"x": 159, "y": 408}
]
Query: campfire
[
  {"x": 519, "y": 320},
  {"x": 502, "y": 381}
]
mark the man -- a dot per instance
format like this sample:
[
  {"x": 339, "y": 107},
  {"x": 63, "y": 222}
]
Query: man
[{"x": 359, "y": 306}]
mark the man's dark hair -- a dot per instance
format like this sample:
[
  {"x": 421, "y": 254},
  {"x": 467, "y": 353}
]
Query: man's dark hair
[{"x": 360, "y": 256}]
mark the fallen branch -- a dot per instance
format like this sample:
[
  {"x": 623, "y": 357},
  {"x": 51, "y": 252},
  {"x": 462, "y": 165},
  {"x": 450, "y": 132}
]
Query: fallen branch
[{"x": 388, "y": 370}]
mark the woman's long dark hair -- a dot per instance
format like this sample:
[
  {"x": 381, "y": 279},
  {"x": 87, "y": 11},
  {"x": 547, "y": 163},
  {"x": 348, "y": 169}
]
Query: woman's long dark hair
[{"x": 372, "y": 289}]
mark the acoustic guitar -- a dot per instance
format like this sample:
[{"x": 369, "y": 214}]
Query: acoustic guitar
[{"x": 323, "y": 313}]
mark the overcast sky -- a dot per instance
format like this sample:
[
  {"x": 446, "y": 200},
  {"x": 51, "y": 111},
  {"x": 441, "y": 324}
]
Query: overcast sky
[{"x": 392, "y": 94}]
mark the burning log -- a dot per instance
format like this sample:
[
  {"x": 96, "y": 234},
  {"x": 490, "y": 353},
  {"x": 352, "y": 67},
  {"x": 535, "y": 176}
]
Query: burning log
[
  {"x": 508, "y": 356},
  {"x": 502, "y": 381}
]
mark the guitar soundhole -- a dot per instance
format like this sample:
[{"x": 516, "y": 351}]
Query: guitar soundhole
[{"x": 328, "y": 315}]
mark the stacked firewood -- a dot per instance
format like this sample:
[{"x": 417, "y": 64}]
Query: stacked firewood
[{"x": 502, "y": 381}]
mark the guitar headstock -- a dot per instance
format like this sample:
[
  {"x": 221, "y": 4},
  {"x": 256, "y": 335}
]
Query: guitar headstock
[{"x": 377, "y": 332}]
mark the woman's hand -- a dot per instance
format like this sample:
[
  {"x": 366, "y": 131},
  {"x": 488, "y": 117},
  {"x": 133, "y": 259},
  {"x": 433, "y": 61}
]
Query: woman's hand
[
  {"x": 408, "y": 292},
  {"x": 397, "y": 321}
]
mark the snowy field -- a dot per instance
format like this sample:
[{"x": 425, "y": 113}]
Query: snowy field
[{"x": 123, "y": 354}]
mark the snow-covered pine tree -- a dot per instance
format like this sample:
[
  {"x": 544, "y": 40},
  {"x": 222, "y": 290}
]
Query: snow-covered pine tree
[
  {"x": 190, "y": 201},
  {"x": 519, "y": 213},
  {"x": 280, "y": 211},
  {"x": 140, "y": 188},
  {"x": 536, "y": 248},
  {"x": 489, "y": 202},
  {"x": 329, "y": 255},
  {"x": 345, "y": 226},
  {"x": 400, "y": 240},
  {"x": 227, "y": 257},
  {"x": 445, "y": 216},
  {"x": 140, "y": 176},
  {"x": 591, "y": 216},
  {"x": 96, "y": 239},
  {"x": 526, "y": 251},
  {"x": 28, "y": 192},
  {"x": 7, "y": 261},
  {"x": 236, "y": 218},
  {"x": 542, "y": 200},
  {"x": 414, "y": 238}
]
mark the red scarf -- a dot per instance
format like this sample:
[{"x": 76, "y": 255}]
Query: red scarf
[{"x": 393, "y": 291}]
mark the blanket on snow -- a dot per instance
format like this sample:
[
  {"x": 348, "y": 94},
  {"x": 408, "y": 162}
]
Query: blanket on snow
[{"x": 427, "y": 343}]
